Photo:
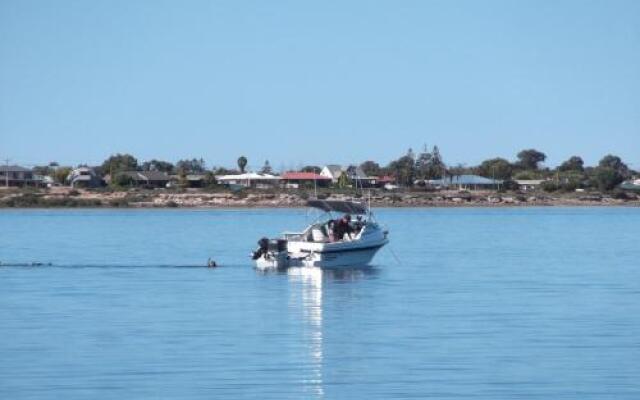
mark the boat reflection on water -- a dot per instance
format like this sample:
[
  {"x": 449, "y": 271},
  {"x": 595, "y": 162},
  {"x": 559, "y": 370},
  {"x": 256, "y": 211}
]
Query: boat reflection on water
[
  {"x": 309, "y": 297},
  {"x": 307, "y": 294}
]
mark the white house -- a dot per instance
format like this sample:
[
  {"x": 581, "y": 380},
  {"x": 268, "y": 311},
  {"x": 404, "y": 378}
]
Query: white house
[
  {"x": 529, "y": 184},
  {"x": 83, "y": 177},
  {"x": 249, "y": 179},
  {"x": 332, "y": 172}
]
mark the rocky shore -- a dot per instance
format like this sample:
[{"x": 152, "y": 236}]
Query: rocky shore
[{"x": 69, "y": 198}]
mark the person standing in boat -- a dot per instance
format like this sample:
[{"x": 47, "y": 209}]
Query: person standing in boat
[{"x": 342, "y": 227}]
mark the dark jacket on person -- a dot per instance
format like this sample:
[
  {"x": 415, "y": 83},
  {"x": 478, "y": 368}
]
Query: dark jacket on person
[{"x": 340, "y": 227}]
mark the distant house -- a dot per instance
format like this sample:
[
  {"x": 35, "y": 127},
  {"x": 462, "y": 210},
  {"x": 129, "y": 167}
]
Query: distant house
[
  {"x": 357, "y": 176},
  {"x": 249, "y": 179},
  {"x": 633, "y": 185},
  {"x": 354, "y": 174},
  {"x": 44, "y": 180},
  {"x": 527, "y": 185},
  {"x": 469, "y": 182},
  {"x": 295, "y": 180},
  {"x": 332, "y": 171},
  {"x": 149, "y": 179},
  {"x": 84, "y": 177},
  {"x": 13, "y": 175},
  {"x": 191, "y": 180},
  {"x": 386, "y": 182},
  {"x": 384, "y": 179}
]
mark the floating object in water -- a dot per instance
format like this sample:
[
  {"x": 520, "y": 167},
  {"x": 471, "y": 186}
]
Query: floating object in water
[
  {"x": 31, "y": 264},
  {"x": 211, "y": 263}
]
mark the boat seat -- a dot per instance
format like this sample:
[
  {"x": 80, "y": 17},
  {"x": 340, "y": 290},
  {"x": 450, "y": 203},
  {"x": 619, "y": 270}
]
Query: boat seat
[{"x": 317, "y": 235}]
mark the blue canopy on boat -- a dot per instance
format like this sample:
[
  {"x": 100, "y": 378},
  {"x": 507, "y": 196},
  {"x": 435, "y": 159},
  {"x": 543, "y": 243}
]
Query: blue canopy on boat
[{"x": 348, "y": 207}]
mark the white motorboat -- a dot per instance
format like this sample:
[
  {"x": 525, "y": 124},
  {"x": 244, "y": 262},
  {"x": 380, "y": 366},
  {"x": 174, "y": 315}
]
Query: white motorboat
[{"x": 319, "y": 245}]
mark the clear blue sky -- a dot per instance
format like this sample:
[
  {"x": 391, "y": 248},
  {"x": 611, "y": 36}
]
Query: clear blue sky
[{"x": 313, "y": 82}]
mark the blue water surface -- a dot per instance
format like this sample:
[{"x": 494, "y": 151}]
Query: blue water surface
[{"x": 535, "y": 303}]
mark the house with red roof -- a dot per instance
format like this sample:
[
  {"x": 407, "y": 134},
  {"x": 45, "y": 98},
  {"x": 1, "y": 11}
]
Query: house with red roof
[{"x": 295, "y": 180}]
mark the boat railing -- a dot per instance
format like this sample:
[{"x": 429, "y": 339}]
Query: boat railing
[{"x": 293, "y": 236}]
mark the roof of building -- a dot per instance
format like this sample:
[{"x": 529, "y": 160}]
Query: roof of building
[
  {"x": 146, "y": 175},
  {"x": 631, "y": 185},
  {"x": 196, "y": 177},
  {"x": 334, "y": 169},
  {"x": 304, "y": 176},
  {"x": 189, "y": 177},
  {"x": 82, "y": 171},
  {"x": 465, "y": 180},
  {"x": 13, "y": 168},
  {"x": 154, "y": 175},
  {"x": 386, "y": 178},
  {"x": 355, "y": 172},
  {"x": 529, "y": 181},
  {"x": 77, "y": 178},
  {"x": 248, "y": 176}
]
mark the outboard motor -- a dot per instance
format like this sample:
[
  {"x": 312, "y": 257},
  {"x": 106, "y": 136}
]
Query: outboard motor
[
  {"x": 263, "y": 248},
  {"x": 271, "y": 253},
  {"x": 277, "y": 245}
]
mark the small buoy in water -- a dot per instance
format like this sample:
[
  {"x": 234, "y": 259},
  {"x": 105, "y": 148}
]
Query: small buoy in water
[{"x": 211, "y": 263}]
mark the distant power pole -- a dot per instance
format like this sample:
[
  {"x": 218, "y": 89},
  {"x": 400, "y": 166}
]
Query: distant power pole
[{"x": 6, "y": 173}]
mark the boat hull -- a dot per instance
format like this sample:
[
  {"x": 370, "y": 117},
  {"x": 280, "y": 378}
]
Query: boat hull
[
  {"x": 348, "y": 253},
  {"x": 356, "y": 257}
]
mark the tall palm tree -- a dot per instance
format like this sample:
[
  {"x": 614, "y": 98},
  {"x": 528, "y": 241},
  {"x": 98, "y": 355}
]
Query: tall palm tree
[{"x": 242, "y": 163}]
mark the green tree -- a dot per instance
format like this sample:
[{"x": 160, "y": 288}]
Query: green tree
[
  {"x": 615, "y": 163},
  {"x": 60, "y": 175},
  {"x": 242, "y": 163},
  {"x": 432, "y": 167},
  {"x": 403, "y": 169},
  {"x": 607, "y": 178},
  {"x": 210, "y": 179},
  {"x": 460, "y": 169},
  {"x": 158, "y": 165},
  {"x": 121, "y": 180},
  {"x": 371, "y": 168},
  {"x": 411, "y": 154},
  {"x": 224, "y": 171},
  {"x": 574, "y": 163},
  {"x": 311, "y": 168},
  {"x": 193, "y": 166},
  {"x": 343, "y": 181},
  {"x": 549, "y": 186},
  {"x": 118, "y": 163},
  {"x": 571, "y": 180},
  {"x": 611, "y": 172},
  {"x": 530, "y": 159},
  {"x": 495, "y": 167},
  {"x": 423, "y": 163},
  {"x": 266, "y": 168}
]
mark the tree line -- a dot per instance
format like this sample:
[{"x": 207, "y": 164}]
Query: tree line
[
  {"x": 408, "y": 170},
  {"x": 572, "y": 174}
]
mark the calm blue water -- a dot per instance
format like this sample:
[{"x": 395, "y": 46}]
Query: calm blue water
[{"x": 484, "y": 303}]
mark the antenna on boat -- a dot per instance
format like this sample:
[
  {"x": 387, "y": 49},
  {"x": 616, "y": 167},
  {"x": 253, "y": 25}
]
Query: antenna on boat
[{"x": 315, "y": 185}]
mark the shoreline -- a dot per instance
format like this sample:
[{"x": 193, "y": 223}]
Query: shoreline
[
  {"x": 65, "y": 198},
  {"x": 264, "y": 208}
]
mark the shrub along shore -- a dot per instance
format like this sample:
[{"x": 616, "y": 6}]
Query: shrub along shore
[{"x": 193, "y": 198}]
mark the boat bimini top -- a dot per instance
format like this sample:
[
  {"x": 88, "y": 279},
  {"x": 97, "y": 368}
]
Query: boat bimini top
[{"x": 346, "y": 207}]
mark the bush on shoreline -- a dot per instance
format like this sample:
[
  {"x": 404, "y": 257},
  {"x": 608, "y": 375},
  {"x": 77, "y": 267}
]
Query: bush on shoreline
[{"x": 31, "y": 200}]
